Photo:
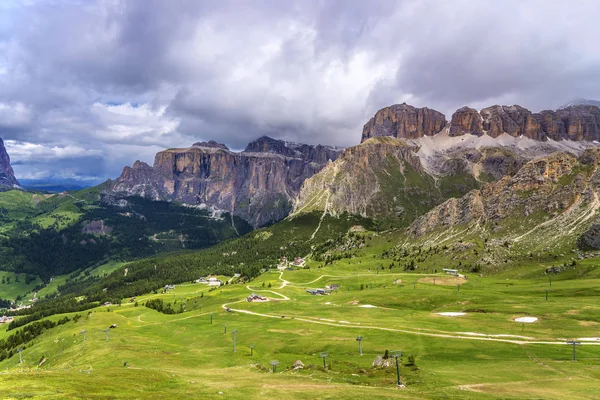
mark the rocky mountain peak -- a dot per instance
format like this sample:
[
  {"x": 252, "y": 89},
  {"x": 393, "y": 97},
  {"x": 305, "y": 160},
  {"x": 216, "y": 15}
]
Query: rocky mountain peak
[
  {"x": 140, "y": 165},
  {"x": 466, "y": 120},
  {"x": 211, "y": 144},
  {"x": 405, "y": 122},
  {"x": 266, "y": 144},
  {"x": 7, "y": 175},
  {"x": 578, "y": 122},
  {"x": 513, "y": 120}
]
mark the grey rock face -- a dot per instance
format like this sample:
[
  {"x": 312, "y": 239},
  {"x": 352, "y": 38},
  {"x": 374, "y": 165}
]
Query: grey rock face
[
  {"x": 257, "y": 185},
  {"x": 7, "y": 175}
]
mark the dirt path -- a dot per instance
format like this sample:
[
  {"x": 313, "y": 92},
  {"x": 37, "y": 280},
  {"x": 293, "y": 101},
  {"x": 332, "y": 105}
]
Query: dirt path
[
  {"x": 353, "y": 325},
  {"x": 283, "y": 297}
]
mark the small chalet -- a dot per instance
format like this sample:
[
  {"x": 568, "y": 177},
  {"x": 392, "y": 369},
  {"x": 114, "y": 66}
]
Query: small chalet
[
  {"x": 215, "y": 282},
  {"x": 5, "y": 320},
  {"x": 256, "y": 298},
  {"x": 299, "y": 262}
]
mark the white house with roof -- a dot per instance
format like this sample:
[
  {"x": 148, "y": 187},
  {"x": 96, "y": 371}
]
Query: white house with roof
[{"x": 214, "y": 281}]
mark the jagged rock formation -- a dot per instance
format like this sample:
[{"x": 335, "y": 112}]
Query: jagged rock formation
[
  {"x": 404, "y": 122},
  {"x": 559, "y": 186},
  {"x": 382, "y": 177},
  {"x": 7, "y": 175},
  {"x": 257, "y": 185}
]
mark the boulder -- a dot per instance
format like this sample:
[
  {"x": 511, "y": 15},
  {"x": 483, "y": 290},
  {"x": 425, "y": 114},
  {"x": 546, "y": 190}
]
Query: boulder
[{"x": 298, "y": 365}]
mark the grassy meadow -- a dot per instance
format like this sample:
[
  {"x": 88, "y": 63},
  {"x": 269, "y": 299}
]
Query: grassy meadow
[{"x": 482, "y": 354}]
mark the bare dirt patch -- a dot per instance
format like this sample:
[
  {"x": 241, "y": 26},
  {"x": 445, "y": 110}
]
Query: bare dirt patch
[{"x": 444, "y": 280}]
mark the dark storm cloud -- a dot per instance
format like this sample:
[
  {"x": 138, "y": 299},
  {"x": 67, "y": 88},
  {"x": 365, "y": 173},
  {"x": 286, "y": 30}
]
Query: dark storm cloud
[{"x": 84, "y": 81}]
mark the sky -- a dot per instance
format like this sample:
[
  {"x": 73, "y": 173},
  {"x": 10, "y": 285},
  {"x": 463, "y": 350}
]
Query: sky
[{"x": 87, "y": 87}]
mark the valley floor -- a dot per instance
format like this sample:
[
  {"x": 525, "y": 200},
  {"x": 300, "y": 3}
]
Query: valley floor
[{"x": 481, "y": 354}]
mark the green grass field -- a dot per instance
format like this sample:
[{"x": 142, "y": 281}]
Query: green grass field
[
  {"x": 483, "y": 354},
  {"x": 13, "y": 285}
]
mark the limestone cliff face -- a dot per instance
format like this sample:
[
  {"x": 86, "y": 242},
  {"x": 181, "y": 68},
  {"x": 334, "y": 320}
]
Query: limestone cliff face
[
  {"x": 512, "y": 120},
  {"x": 466, "y": 120},
  {"x": 576, "y": 123},
  {"x": 554, "y": 185},
  {"x": 7, "y": 175},
  {"x": 581, "y": 122},
  {"x": 404, "y": 122},
  {"x": 382, "y": 177},
  {"x": 257, "y": 185}
]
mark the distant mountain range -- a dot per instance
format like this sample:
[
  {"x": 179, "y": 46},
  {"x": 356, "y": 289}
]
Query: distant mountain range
[
  {"x": 56, "y": 184},
  {"x": 409, "y": 160},
  {"x": 427, "y": 160}
]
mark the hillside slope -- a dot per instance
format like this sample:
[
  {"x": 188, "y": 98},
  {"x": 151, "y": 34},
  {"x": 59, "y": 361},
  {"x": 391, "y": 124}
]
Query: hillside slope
[
  {"x": 550, "y": 203},
  {"x": 383, "y": 177}
]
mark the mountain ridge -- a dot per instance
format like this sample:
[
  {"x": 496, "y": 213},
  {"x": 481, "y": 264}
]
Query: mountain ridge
[
  {"x": 257, "y": 184},
  {"x": 579, "y": 122},
  {"x": 269, "y": 179}
]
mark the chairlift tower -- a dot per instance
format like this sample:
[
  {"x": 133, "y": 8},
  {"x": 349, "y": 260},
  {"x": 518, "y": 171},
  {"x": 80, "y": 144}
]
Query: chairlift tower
[
  {"x": 224, "y": 329},
  {"x": 575, "y": 344},
  {"x": 20, "y": 356},
  {"x": 234, "y": 332},
  {"x": 274, "y": 364},
  {"x": 105, "y": 332},
  {"x": 324, "y": 356},
  {"x": 359, "y": 340},
  {"x": 251, "y": 350},
  {"x": 397, "y": 354},
  {"x": 82, "y": 333}
]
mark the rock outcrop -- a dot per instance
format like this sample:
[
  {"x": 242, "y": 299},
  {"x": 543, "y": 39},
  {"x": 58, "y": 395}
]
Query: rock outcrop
[
  {"x": 512, "y": 120},
  {"x": 466, "y": 120},
  {"x": 581, "y": 122},
  {"x": 257, "y": 185},
  {"x": 403, "y": 121},
  {"x": 7, "y": 175}
]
